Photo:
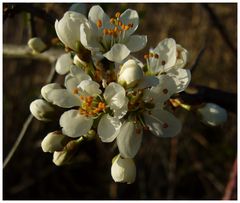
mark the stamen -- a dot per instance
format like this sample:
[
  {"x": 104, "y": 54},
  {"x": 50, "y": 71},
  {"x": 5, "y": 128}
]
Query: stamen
[
  {"x": 163, "y": 62},
  {"x": 112, "y": 20},
  {"x": 119, "y": 23},
  {"x": 151, "y": 55},
  {"x": 117, "y": 15},
  {"x": 165, "y": 125},
  {"x": 146, "y": 56},
  {"x": 99, "y": 23},
  {"x": 156, "y": 56},
  {"x": 105, "y": 32},
  {"x": 75, "y": 90}
]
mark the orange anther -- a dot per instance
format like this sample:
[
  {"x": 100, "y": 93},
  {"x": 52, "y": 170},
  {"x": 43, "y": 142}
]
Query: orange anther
[
  {"x": 89, "y": 99},
  {"x": 115, "y": 29},
  {"x": 123, "y": 26},
  {"x": 112, "y": 20},
  {"x": 82, "y": 97},
  {"x": 105, "y": 31},
  {"x": 75, "y": 91},
  {"x": 126, "y": 27},
  {"x": 119, "y": 23},
  {"x": 130, "y": 25},
  {"x": 117, "y": 15},
  {"x": 146, "y": 56},
  {"x": 99, "y": 23}
]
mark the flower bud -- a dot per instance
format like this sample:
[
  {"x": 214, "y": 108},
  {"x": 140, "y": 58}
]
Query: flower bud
[
  {"x": 67, "y": 155},
  {"x": 212, "y": 114},
  {"x": 123, "y": 170},
  {"x": 48, "y": 88},
  {"x": 63, "y": 63},
  {"x": 68, "y": 29},
  {"x": 130, "y": 74},
  {"x": 42, "y": 110},
  {"x": 54, "y": 141},
  {"x": 37, "y": 45}
]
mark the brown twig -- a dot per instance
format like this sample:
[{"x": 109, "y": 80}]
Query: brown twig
[
  {"x": 197, "y": 94},
  {"x": 231, "y": 183},
  {"x": 217, "y": 23}
]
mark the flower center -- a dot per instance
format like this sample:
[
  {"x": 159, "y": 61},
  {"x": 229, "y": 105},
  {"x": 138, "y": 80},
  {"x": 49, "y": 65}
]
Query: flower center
[
  {"x": 117, "y": 33},
  {"x": 90, "y": 106}
]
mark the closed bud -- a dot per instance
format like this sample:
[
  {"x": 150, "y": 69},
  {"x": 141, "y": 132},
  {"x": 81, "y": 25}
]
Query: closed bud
[
  {"x": 37, "y": 45},
  {"x": 212, "y": 114},
  {"x": 54, "y": 141},
  {"x": 123, "y": 170},
  {"x": 60, "y": 158},
  {"x": 130, "y": 74},
  {"x": 63, "y": 64},
  {"x": 42, "y": 110},
  {"x": 45, "y": 91}
]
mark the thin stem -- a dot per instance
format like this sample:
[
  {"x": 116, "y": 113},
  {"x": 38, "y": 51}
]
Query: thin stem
[{"x": 26, "y": 124}]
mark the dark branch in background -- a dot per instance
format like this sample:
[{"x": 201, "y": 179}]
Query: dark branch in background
[
  {"x": 197, "y": 94},
  {"x": 231, "y": 185},
  {"x": 220, "y": 27},
  {"x": 197, "y": 60},
  {"x": 11, "y": 10}
]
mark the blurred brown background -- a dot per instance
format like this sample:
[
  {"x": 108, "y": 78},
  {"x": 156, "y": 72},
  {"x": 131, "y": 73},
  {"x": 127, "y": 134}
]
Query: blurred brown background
[{"x": 195, "y": 165}]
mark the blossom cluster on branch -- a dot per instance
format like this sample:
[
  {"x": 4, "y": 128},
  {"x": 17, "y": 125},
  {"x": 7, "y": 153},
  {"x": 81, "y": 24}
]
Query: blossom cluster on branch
[{"x": 107, "y": 92}]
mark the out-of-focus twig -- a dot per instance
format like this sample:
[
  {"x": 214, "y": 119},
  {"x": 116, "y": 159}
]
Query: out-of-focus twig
[
  {"x": 220, "y": 27},
  {"x": 197, "y": 60},
  {"x": 11, "y": 9},
  {"x": 231, "y": 183},
  {"x": 197, "y": 94},
  {"x": 27, "y": 123},
  {"x": 23, "y": 51}
]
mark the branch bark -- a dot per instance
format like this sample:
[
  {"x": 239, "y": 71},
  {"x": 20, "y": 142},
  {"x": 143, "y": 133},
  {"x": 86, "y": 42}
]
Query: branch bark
[{"x": 23, "y": 51}]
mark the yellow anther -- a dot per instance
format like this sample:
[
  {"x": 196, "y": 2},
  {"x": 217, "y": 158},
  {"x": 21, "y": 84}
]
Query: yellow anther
[
  {"x": 126, "y": 27},
  {"x": 112, "y": 20},
  {"x": 117, "y": 15},
  {"x": 151, "y": 55},
  {"x": 82, "y": 97},
  {"x": 123, "y": 26},
  {"x": 75, "y": 91},
  {"x": 99, "y": 23},
  {"x": 115, "y": 29}
]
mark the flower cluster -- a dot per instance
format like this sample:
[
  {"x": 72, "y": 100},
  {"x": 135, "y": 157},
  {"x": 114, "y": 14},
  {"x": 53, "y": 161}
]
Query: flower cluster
[{"x": 107, "y": 92}]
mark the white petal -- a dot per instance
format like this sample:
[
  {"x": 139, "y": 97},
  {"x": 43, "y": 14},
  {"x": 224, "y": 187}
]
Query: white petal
[
  {"x": 182, "y": 78},
  {"x": 90, "y": 88},
  {"x": 108, "y": 128},
  {"x": 129, "y": 139},
  {"x": 63, "y": 98},
  {"x": 68, "y": 28},
  {"x": 148, "y": 81},
  {"x": 120, "y": 112},
  {"x": 130, "y": 16},
  {"x": 48, "y": 88},
  {"x": 96, "y": 13},
  {"x": 74, "y": 124},
  {"x": 88, "y": 37},
  {"x": 167, "y": 52},
  {"x": 162, "y": 92},
  {"x": 117, "y": 53},
  {"x": 115, "y": 95},
  {"x": 162, "y": 123},
  {"x": 136, "y": 42},
  {"x": 182, "y": 57},
  {"x": 63, "y": 64}
]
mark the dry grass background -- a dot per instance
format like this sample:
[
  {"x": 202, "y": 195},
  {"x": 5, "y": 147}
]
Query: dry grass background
[{"x": 194, "y": 165}]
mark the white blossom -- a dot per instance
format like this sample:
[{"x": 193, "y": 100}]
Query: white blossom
[
  {"x": 68, "y": 29},
  {"x": 111, "y": 37}
]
